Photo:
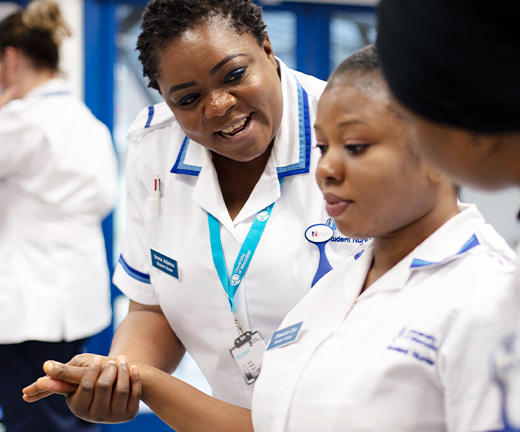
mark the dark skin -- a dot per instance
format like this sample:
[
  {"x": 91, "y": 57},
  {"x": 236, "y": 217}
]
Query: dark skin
[
  {"x": 238, "y": 179},
  {"x": 225, "y": 92}
]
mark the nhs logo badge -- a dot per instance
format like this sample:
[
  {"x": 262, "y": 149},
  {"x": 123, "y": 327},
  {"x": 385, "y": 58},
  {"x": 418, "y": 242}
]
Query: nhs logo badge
[{"x": 319, "y": 233}]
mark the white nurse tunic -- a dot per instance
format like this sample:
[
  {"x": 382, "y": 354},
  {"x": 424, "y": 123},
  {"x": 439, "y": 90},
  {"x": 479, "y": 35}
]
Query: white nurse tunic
[{"x": 408, "y": 354}]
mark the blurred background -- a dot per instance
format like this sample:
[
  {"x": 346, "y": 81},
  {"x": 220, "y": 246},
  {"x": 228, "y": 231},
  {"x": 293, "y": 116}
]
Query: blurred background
[{"x": 101, "y": 62}]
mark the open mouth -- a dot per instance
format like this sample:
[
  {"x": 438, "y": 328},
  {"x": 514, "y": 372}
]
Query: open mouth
[{"x": 236, "y": 128}]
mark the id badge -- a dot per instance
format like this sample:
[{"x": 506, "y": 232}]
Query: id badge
[{"x": 248, "y": 352}]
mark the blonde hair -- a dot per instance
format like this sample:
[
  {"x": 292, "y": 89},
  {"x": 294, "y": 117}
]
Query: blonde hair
[
  {"x": 45, "y": 15},
  {"x": 38, "y": 31}
]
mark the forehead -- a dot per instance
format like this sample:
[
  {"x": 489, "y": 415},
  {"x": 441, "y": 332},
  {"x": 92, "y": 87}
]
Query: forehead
[
  {"x": 353, "y": 96},
  {"x": 213, "y": 37}
]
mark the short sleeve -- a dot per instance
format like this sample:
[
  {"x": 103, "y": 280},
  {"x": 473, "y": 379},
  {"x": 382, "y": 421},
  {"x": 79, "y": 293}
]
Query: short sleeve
[{"x": 132, "y": 275}]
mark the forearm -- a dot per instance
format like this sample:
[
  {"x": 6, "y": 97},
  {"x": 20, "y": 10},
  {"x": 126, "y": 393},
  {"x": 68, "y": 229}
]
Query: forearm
[
  {"x": 187, "y": 409},
  {"x": 146, "y": 336}
]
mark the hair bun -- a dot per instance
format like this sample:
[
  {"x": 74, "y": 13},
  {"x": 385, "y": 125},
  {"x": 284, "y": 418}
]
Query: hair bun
[{"x": 45, "y": 15}]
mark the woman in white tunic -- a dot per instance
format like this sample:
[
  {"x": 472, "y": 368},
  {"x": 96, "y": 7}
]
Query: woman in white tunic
[
  {"x": 396, "y": 337},
  {"x": 231, "y": 152},
  {"x": 57, "y": 183}
]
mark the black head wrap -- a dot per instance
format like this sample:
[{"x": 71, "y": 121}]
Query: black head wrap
[{"x": 455, "y": 62}]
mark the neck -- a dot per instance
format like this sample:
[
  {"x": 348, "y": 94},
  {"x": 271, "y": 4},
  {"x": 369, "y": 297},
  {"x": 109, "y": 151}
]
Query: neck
[
  {"x": 33, "y": 78},
  {"x": 393, "y": 247},
  {"x": 238, "y": 179}
]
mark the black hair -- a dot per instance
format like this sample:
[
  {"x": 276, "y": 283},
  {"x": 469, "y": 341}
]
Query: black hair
[
  {"x": 164, "y": 20},
  {"x": 37, "y": 31},
  {"x": 362, "y": 61}
]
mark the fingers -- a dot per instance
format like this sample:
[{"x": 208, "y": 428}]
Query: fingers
[
  {"x": 80, "y": 402},
  {"x": 65, "y": 372},
  {"x": 136, "y": 392},
  {"x": 122, "y": 387},
  {"x": 46, "y": 386},
  {"x": 101, "y": 404}
]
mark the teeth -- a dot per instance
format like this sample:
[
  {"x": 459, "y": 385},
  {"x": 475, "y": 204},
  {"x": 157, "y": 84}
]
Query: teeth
[{"x": 235, "y": 126}]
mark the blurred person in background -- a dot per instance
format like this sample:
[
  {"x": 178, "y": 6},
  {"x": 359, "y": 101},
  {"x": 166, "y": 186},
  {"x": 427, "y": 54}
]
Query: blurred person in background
[
  {"x": 453, "y": 69},
  {"x": 58, "y": 182}
]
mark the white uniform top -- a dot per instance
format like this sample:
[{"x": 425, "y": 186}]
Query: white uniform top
[
  {"x": 284, "y": 264},
  {"x": 58, "y": 175},
  {"x": 506, "y": 358},
  {"x": 408, "y": 354}
]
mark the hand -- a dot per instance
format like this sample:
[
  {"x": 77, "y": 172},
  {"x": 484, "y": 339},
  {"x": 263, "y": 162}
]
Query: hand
[
  {"x": 107, "y": 394},
  {"x": 48, "y": 385}
]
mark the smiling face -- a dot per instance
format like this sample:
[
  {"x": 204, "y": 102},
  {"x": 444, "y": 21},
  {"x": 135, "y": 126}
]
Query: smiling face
[
  {"x": 373, "y": 184},
  {"x": 223, "y": 88}
]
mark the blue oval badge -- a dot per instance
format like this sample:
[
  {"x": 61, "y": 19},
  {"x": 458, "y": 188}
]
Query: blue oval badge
[{"x": 319, "y": 233}]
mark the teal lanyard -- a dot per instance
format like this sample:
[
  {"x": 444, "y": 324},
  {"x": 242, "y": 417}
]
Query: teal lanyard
[{"x": 244, "y": 256}]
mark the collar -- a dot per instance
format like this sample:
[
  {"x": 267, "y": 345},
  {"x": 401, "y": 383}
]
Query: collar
[
  {"x": 292, "y": 145},
  {"x": 53, "y": 87},
  {"x": 449, "y": 242}
]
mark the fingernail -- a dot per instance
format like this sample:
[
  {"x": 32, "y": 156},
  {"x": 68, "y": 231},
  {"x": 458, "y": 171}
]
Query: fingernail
[
  {"x": 135, "y": 371},
  {"x": 122, "y": 360},
  {"x": 97, "y": 360},
  {"x": 111, "y": 362},
  {"x": 48, "y": 366}
]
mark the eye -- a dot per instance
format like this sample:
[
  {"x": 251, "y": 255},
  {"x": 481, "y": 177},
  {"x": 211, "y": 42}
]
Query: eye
[
  {"x": 188, "y": 99},
  {"x": 322, "y": 148},
  {"x": 356, "y": 149},
  {"x": 235, "y": 75}
]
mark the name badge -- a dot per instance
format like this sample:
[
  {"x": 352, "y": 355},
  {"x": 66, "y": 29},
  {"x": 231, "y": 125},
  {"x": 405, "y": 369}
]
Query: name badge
[
  {"x": 285, "y": 336},
  {"x": 248, "y": 352},
  {"x": 165, "y": 264}
]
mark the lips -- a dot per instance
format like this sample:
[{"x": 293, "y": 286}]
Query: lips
[
  {"x": 335, "y": 205},
  {"x": 235, "y": 128}
]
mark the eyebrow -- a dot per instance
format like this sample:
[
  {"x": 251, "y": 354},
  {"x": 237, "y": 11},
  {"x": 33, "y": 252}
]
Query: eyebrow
[
  {"x": 181, "y": 86},
  {"x": 222, "y": 62}
]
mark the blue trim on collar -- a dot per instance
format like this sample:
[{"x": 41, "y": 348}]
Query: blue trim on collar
[
  {"x": 359, "y": 254},
  {"x": 150, "y": 116},
  {"x": 470, "y": 244},
  {"x": 305, "y": 138},
  {"x": 56, "y": 93},
  {"x": 180, "y": 167},
  {"x": 136, "y": 274},
  {"x": 304, "y": 122}
]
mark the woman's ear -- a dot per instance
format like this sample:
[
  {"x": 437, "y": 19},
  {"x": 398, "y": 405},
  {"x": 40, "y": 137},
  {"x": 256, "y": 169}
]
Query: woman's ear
[
  {"x": 268, "y": 48},
  {"x": 434, "y": 175}
]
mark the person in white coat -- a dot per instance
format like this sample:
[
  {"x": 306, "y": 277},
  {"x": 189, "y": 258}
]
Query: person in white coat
[
  {"x": 463, "y": 111},
  {"x": 57, "y": 183},
  {"x": 397, "y": 337},
  {"x": 221, "y": 193},
  {"x": 385, "y": 340}
]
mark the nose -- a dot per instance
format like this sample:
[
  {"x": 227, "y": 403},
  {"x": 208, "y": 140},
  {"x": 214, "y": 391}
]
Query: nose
[
  {"x": 219, "y": 103},
  {"x": 330, "y": 170}
]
